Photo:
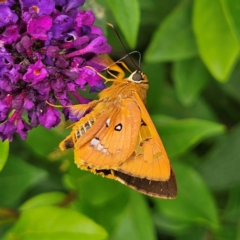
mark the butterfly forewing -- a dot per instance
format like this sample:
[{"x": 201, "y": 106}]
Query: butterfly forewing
[{"x": 108, "y": 146}]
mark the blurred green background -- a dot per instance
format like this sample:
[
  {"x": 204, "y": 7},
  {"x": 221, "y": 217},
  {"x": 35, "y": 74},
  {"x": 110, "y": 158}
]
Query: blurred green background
[{"x": 190, "y": 53}]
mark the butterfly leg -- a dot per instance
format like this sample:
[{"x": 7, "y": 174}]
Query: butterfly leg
[
  {"x": 103, "y": 77},
  {"x": 115, "y": 68}
]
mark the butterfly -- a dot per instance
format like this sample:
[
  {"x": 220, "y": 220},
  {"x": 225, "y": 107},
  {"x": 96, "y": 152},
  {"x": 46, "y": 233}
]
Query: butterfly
[{"x": 117, "y": 139}]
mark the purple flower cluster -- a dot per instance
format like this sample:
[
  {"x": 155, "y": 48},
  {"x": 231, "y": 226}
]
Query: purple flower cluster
[{"x": 45, "y": 46}]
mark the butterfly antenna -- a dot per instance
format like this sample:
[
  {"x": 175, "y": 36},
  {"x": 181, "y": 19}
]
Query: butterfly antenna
[
  {"x": 139, "y": 54},
  {"x": 138, "y": 67}
]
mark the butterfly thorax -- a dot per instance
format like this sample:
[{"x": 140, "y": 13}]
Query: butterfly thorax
[{"x": 124, "y": 88}]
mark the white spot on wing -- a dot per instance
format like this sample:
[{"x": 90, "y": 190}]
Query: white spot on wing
[
  {"x": 94, "y": 142},
  {"x": 99, "y": 147},
  {"x": 104, "y": 150},
  {"x": 108, "y": 122}
]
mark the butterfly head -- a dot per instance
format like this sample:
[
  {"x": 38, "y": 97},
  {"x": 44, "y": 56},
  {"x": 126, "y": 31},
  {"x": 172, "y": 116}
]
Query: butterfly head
[{"x": 138, "y": 77}]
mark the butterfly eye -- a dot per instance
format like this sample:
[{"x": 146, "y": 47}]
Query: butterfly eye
[{"x": 137, "y": 77}]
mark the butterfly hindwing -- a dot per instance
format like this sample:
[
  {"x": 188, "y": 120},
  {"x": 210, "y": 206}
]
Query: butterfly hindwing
[
  {"x": 161, "y": 189},
  {"x": 148, "y": 169}
]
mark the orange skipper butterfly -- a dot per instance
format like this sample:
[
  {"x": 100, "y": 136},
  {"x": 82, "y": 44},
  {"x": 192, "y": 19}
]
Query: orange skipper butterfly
[{"x": 117, "y": 139}]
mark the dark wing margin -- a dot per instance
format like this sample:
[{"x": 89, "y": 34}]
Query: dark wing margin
[{"x": 160, "y": 189}]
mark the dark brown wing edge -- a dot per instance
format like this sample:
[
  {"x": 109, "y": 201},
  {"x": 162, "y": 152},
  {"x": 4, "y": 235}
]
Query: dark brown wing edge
[{"x": 160, "y": 189}]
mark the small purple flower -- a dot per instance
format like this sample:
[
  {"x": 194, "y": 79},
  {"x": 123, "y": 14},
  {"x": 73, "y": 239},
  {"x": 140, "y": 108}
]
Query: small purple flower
[
  {"x": 85, "y": 18},
  {"x": 50, "y": 117},
  {"x": 7, "y": 129},
  {"x": 45, "y": 46},
  {"x": 22, "y": 127},
  {"x": 41, "y": 7},
  {"x": 36, "y": 72},
  {"x": 38, "y": 28},
  {"x": 11, "y": 34},
  {"x": 7, "y": 16}
]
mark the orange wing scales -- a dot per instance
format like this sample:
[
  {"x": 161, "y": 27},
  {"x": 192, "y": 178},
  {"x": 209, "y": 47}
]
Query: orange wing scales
[
  {"x": 117, "y": 139},
  {"x": 110, "y": 146}
]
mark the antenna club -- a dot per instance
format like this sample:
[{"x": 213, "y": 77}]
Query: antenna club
[{"x": 109, "y": 24}]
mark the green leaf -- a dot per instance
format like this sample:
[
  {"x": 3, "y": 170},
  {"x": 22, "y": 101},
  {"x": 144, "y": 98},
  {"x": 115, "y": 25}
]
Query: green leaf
[
  {"x": 101, "y": 199},
  {"x": 16, "y": 178},
  {"x": 233, "y": 9},
  {"x": 190, "y": 77},
  {"x": 136, "y": 222},
  {"x": 49, "y": 222},
  {"x": 230, "y": 231},
  {"x": 156, "y": 75},
  {"x": 89, "y": 187},
  {"x": 180, "y": 135},
  {"x": 174, "y": 39},
  {"x": 221, "y": 167},
  {"x": 43, "y": 141},
  {"x": 4, "y": 149},
  {"x": 218, "y": 45},
  {"x": 232, "y": 87},
  {"x": 194, "y": 203},
  {"x": 50, "y": 198},
  {"x": 233, "y": 205},
  {"x": 127, "y": 15},
  {"x": 167, "y": 103}
]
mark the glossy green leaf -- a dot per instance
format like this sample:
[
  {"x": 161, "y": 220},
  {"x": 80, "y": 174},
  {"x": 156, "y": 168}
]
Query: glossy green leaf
[
  {"x": 194, "y": 203},
  {"x": 49, "y": 222},
  {"x": 150, "y": 8},
  {"x": 217, "y": 42},
  {"x": 135, "y": 220},
  {"x": 190, "y": 77},
  {"x": 174, "y": 39},
  {"x": 50, "y": 198},
  {"x": 127, "y": 15},
  {"x": 4, "y": 149},
  {"x": 221, "y": 167},
  {"x": 101, "y": 199},
  {"x": 233, "y": 10},
  {"x": 180, "y": 135},
  {"x": 16, "y": 178}
]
